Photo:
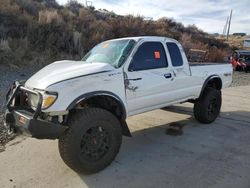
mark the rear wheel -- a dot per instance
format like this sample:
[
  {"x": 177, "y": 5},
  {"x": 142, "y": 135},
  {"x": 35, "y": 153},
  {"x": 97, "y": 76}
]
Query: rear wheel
[
  {"x": 207, "y": 107},
  {"x": 92, "y": 140},
  {"x": 238, "y": 68}
]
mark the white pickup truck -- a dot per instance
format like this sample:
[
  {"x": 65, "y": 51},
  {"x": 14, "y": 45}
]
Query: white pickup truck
[{"x": 85, "y": 103}]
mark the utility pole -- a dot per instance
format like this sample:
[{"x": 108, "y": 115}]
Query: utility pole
[
  {"x": 225, "y": 27},
  {"x": 89, "y": 3},
  {"x": 229, "y": 23}
]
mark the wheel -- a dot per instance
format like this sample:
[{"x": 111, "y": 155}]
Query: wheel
[
  {"x": 239, "y": 68},
  {"x": 92, "y": 141},
  {"x": 207, "y": 107}
]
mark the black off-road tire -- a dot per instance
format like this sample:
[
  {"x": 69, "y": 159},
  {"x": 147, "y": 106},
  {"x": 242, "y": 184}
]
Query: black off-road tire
[
  {"x": 207, "y": 107},
  {"x": 238, "y": 68},
  {"x": 91, "y": 130}
]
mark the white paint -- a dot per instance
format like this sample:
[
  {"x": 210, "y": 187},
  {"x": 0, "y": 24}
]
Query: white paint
[{"x": 154, "y": 90}]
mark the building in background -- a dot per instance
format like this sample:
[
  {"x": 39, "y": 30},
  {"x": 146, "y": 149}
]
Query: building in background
[
  {"x": 246, "y": 43},
  {"x": 239, "y": 34}
]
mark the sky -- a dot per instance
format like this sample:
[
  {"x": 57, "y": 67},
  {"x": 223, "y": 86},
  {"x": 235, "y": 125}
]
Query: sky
[{"x": 208, "y": 15}]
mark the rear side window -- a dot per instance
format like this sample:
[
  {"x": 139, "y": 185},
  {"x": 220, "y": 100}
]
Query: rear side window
[
  {"x": 175, "y": 54},
  {"x": 150, "y": 55}
]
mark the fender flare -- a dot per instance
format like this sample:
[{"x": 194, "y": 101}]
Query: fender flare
[
  {"x": 125, "y": 129},
  {"x": 206, "y": 82}
]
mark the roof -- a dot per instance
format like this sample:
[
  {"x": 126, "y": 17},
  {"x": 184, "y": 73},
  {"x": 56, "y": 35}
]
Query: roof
[
  {"x": 147, "y": 38},
  {"x": 243, "y": 51}
]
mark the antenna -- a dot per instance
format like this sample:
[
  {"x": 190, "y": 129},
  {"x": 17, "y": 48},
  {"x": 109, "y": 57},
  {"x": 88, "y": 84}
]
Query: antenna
[{"x": 229, "y": 23}]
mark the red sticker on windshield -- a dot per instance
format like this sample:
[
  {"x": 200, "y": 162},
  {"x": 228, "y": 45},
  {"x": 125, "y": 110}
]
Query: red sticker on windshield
[{"x": 157, "y": 55}]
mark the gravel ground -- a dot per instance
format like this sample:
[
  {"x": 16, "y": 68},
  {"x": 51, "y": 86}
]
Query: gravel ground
[
  {"x": 241, "y": 79},
  {"x": 8, "y": 75}
]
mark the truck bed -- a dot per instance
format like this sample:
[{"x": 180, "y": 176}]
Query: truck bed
[
  {"x": 206, "y": 63},
  {"x": 204, "y": 70}
]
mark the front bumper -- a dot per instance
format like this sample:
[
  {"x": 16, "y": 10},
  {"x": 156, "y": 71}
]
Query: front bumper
[{"x": 20, "y": 118}]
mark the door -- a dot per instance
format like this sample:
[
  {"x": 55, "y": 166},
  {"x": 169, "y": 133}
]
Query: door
[
  {"x": 186, "y": 85},
  {"x": 148, "y": 79}
]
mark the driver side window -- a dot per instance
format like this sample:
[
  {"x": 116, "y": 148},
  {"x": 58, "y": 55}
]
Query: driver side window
[{"x": 150, "y": 55}]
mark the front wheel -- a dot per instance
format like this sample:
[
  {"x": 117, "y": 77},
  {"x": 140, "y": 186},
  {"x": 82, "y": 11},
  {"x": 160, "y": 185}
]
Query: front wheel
[
  {"x": 92, "y": 141},
  {"x": 207, "y": 107}
]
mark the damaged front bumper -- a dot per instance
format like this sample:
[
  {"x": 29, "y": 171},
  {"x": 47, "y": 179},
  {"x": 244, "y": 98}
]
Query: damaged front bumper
[{"x": 19, "y": 117}]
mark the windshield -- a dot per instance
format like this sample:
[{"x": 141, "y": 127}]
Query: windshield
[{"x": 111, "y": 52}]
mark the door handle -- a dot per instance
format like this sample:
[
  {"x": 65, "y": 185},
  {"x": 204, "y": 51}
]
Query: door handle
[{"x": 168, "y": 75}]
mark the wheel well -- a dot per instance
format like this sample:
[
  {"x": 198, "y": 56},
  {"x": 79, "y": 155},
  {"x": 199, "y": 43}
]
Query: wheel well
[
  {"x": 215, "y": 83},
  {"x": 109, "y": 103},
  {"x": 105, "y": 102}
]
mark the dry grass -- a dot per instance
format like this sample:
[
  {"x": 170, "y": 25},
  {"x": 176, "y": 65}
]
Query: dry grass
[
  {"x": 4, "y": 45},
  {"x": 47, "y": 17},
  {"x": 234, "y": 41}
]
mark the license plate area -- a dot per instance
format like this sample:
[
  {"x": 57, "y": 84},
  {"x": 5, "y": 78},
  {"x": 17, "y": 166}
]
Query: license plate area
[{"x": 22, "y": 120}]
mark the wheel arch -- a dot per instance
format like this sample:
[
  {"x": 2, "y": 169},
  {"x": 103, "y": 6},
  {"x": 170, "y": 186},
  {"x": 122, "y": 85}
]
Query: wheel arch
[
  {"x": 213, "y": 81},
  {"x": 105, "y": 100}
]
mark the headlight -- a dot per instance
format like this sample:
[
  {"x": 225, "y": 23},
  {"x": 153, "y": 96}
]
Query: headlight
[
  {"x": 48, "y": 99},
  {"x": 33, "y": 100}
]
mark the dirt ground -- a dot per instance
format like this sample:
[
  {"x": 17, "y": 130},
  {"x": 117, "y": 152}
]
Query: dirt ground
[
  {"x": 241, "y": 79},
  {"x": 215, "y": 155}
]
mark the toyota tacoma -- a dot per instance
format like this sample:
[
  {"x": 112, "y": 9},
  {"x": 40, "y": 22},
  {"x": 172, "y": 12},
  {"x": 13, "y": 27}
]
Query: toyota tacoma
[{"x": 84, "y": 104}]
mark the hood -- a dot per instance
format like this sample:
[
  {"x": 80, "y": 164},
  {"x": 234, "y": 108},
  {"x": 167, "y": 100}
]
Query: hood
[{"x": 63, "y": 70}]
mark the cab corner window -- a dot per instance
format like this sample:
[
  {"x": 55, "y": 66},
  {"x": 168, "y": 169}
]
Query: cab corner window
[
  {"x": 150, "y": 55},
  {"x": 175, "y": 54}
]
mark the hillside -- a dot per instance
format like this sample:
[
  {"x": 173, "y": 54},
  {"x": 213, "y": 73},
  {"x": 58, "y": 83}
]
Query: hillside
[
  {"x": 235, "y": 42},
  {"x": 41, "y": 31}
]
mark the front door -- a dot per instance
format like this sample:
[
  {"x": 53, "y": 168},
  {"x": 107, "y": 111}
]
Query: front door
[{"x": 148, "y": 79}]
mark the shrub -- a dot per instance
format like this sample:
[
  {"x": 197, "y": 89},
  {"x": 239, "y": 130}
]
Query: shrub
[
  {"x": 4, "y": 45},
  {"x": 35, "y": 26},
  {"x": 47, "y": 17},
  {"x": 51, "y": 37},
  {"x": 216, "y": 55},
  {"x": 12, "y": 26},
  {"x": 74, "y": 6}
]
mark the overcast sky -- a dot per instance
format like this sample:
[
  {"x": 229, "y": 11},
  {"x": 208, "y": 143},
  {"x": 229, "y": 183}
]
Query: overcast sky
[{"x": 209, "y": 15}]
